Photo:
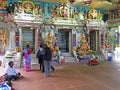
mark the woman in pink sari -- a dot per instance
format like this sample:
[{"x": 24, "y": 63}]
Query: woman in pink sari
[{"x": 27, "y": 56}]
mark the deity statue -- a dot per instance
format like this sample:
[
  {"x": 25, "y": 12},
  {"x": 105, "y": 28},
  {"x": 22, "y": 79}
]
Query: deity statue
[
  {"x": 57, "y": 11},
  {"x": 88, "y": 15},
  {"x": 75, "y": 15},
  {"x": 18, "y": 7},
  {"x": 36, "y": 10},
  {"x": 40, "y": 11},
  {"x": 84, "y": 47},
  {"x": 3, "y": 40},
  {"x": 64, "y": 12},
  {"x": 85, "y": 15},
  {"x": 93, "y": 13},
  {"x": 107, "y": 41},
  {"x": 53, "y": 12},
  {"x": 81, "y": 17},
  {"x": 99, "y": 16},
  {"x": 49, "y": 40},
  {"x": 28, "y": 9},
  {"x": 70, "y": 12}
]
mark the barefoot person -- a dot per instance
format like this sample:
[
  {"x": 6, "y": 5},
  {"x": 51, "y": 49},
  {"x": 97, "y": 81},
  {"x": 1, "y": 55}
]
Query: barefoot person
[
  {"x": 47, "y": 60},
  {"x": 27, "y": 56},
  {"x": 5, "y": 84},
  {"x": 11, "y": 72}
]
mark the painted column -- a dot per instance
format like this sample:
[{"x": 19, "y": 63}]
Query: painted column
[
  {"x": 87, "y": 35},
  {"x": 102, "y": 41},
  {"x": 17, "y": 42},
  {"x": 117, "y": 49},
  {"x": 88, "y": 39},
  {"x": 56, "y": 41},
  {"x": 107, "y": 41},
  {"x": 39, "y": 38},
  {"x": 74, "y": 41},
  {"x": 11, "y": 38}
]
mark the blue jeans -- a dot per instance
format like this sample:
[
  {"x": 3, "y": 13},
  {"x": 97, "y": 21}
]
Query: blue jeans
[{"x": 47, "y": 67}]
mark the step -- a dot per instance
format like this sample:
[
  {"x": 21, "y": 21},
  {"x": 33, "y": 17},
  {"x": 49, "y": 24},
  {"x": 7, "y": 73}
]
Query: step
[
  {"x": 66, "y": 54},
  {"x": 70, "y": 59}
]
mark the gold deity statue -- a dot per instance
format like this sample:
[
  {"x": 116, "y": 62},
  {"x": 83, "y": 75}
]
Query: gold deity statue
[
  {"x": 93, "y": 13},
  {"x": 49, "y": 40}
]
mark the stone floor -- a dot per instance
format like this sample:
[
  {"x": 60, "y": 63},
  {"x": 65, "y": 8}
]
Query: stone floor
[{"x": 72, "y": 76}]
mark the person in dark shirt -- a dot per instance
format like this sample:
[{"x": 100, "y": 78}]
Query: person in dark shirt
[{"x": 47, "y": 60}]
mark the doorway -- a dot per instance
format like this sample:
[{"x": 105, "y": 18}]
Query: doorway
[
  {"x": 94, "y": 40},
  {"x": 63, "y": 40},
  {"x": 28, "y": 37}
]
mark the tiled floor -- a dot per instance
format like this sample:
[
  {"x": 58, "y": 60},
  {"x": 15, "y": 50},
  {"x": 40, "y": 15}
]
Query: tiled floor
[{"x": 73, "y": 76}]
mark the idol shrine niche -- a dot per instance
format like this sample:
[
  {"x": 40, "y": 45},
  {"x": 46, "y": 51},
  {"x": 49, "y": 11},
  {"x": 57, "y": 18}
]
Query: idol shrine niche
[{"x": 3, "y": 39}]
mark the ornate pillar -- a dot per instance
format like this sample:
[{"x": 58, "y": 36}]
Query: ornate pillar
[
  {"x": 74, "y": 43},
  {"x": 102, "y": 40},
  {"x": 56, "y": 39},
  {"x": 118, "y": 40},
  {"x": 17, "y": 40},
  {"x": 39, "y": 40},
  {"x": 87, "y": 35}
]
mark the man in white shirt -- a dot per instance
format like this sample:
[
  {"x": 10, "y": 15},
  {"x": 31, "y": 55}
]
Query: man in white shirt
[
  {"x": 4, "y": 83},
  {"x": 11, "y": 72}
]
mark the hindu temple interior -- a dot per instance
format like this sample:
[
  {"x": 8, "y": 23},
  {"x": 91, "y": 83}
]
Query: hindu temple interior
[{"x": 84, "y": 36}]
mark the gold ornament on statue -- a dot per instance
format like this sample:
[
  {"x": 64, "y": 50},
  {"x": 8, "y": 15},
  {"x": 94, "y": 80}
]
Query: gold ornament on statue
[
  {"x": 93, "y": 13},
  {"x": 49, "y": 40},
  {"x": 17, "y": 49},
  {"x": 49, "y": 37}
]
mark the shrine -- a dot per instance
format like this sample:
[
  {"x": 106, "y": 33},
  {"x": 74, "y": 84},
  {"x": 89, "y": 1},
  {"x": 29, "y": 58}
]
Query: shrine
[{"x": 58, "y": 25}]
